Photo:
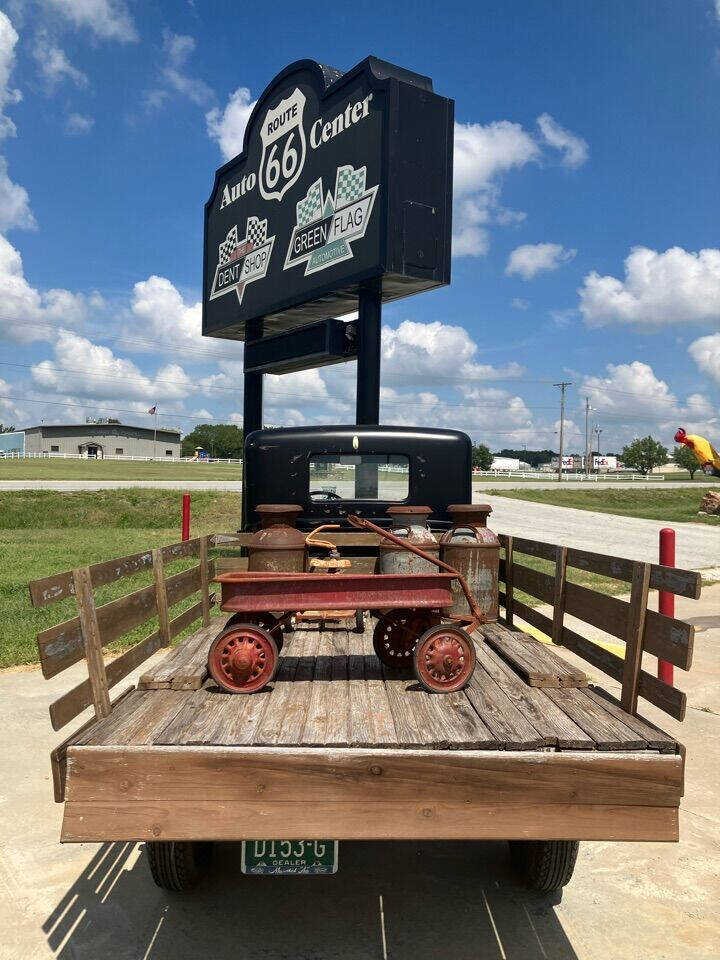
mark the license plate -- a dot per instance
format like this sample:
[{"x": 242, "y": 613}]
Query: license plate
[{"x": 289, "y": 856}]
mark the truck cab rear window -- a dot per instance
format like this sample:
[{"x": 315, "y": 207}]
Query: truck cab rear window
[{"x": 365, "y": 476}]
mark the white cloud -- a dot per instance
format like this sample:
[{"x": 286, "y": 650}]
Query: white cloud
[
  {"x": 177, "y": 49},
  {"x": 228, "y": 126},
  {"x": 27, "y": 314},
  {"x": 107, "y": 19},
  {"x": 78, "y": 123},
  {"x": 635, "y": 402},
  {"x": 54, "y": 64},
  {"x": 164, "y": 315},
  {"x": 659, "y": 289},
  {"x": 532, "y": 258},
  {"x": 434, "y": 352},
  {"x": 574, "y": 149},
  {"x": 86, "y": 369},
  {"x": 10, "y": 413},
  {"x": 14, "y": 203},
  {"x": 518, "y": 303},
  {"x": 483, "y": 153},
  {"x": 8, "y": 96},
  {"x": 706, "y": 353}
]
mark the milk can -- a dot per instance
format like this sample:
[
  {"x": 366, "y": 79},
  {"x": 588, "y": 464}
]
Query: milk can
[
  {"x": 409, "y": 523},
  {"x": 278, "y": 546},
  {"x": 474, "y": 551}
]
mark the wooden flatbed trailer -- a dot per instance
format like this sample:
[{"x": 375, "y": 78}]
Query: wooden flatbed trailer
[{"x": 341, "y": 747}]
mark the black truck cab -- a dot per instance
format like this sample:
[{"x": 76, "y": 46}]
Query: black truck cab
[{"x": 332, "y": 471}]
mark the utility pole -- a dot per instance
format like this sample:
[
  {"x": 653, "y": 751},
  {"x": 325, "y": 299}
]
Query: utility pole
[
  {"x": 598, "y": 431},
  {"x": 563, "y": 385},
  {"x": 588, "y": 444}
]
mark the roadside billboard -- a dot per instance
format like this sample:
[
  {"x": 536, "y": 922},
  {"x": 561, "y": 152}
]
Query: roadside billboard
[{"x": 343, "y": 178}]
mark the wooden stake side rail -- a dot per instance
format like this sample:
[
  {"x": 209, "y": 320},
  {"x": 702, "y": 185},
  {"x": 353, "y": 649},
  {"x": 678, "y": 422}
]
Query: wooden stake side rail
[
  {"x": 642, "y": 629},
  {"x": 95, "y": 627}
]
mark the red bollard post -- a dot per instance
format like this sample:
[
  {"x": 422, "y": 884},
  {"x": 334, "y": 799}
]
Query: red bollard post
[
  {"x": 186, "y": 516},
  {"x": 666, "y": 601}
]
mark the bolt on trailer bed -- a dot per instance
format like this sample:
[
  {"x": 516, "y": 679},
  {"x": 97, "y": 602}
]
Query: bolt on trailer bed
[{"x": 532, "y": 751}]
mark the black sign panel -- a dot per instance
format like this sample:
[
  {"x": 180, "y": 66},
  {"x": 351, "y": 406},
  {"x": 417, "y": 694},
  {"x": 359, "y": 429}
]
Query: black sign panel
[{"x": 343, "y": 178}]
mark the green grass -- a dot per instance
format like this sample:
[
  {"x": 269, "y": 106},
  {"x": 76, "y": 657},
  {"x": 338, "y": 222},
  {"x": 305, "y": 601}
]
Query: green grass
[
  {"x": 42, "y": 533},
  {"x": 679, "y": 505},
  {"x": 58, "y": 469}
]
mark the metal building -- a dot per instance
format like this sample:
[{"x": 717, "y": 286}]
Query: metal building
[{"x": 102, "y": 440}]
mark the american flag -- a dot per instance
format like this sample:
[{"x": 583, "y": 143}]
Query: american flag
[{"x": 153, "y": 409}]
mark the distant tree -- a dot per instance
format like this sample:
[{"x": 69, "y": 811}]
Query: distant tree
[
  {"x": 220, "y": 440},
  {"x": 4, "y": 429},
  {"x": 481, "y": 457},
  {"x": 644, "y": 454},
  {"x": 685, "y": 458},
  {"x": 113, "y": 420},
  {"x": 533, "y": 457}
]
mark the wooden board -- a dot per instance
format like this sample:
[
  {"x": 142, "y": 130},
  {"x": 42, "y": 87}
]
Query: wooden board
[
  {"x": 685, "y": 583},
  {"x": 147, "y": 774},
  {"x": 608, "y": 732},
  {"x": 185, "y": 666},
  {"x": 414, "y": 820},
  {"x": 60, "y": 585},
  {"x": 540, "y": 666},
  {"x": 552, "y": 724}
]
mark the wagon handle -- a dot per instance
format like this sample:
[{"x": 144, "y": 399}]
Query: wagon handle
[
  {"x": 368, "y": 525},
  {"x": 322, "y": 543}
]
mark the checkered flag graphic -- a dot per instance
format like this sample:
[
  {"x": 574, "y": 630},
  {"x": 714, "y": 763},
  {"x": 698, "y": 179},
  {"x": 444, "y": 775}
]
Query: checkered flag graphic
[
  {"x": 349, "y": 185},
  {"x": 228, "y": 246},
  {"x": 310, "y": 207},
  {"x": 256, "y": 231}
]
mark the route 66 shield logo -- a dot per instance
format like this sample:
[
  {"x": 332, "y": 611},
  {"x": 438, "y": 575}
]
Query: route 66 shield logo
[{"x": 283, "y": 140}]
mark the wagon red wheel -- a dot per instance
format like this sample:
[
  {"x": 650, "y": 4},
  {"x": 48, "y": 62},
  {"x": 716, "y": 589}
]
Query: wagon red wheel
[
  {"x": 444, "y": 659},
  {"x": 243, "y": 659},
  {"x": 396, "y": 634},
  {"x": 262, "y": 618}
]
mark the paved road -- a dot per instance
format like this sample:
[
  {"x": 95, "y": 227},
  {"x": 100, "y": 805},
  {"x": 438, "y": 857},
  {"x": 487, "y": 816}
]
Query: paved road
[
  {"x": 697, "y": 544},
  {"x": 627, "y": 901}
]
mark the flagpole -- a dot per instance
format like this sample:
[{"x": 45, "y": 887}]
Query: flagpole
[{"x": 155, "y": 436}]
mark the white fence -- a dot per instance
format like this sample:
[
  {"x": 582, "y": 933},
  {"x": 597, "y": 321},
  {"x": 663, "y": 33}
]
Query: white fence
[
  {"x": 567, "y": 477},
  {"x": 17, "y": 455}
]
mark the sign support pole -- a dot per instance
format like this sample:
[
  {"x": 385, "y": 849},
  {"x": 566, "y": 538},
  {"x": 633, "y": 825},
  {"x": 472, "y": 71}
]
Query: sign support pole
[
  {"x": 367, "y": 409},
  {"x": 252, "y": 403},
  {"x": 367, "y": 403}
]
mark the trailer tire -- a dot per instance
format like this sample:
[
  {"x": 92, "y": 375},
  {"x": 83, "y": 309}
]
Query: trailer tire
[
  {"x": 544, "y": 864},
  {"x": 178, "y": 865}
]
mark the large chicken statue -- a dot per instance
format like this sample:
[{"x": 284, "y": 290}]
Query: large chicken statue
[{"x": 706, "y": 455}]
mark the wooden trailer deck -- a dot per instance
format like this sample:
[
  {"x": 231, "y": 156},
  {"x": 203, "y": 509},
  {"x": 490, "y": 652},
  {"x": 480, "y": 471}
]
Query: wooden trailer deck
[{"x": 339, "y": 747}]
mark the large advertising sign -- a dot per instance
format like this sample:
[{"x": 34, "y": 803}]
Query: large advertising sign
[{"x": 343, "y": 178}]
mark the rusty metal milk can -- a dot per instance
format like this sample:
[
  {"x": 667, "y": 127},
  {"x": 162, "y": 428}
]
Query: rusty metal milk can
[
  {"x": 474, "y": 551},
  {"x": 278, "y": 546},
  {"x": 409, "y": 523}
]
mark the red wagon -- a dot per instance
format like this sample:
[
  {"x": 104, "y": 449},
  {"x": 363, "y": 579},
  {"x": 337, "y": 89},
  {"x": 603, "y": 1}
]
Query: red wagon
[{"x": 244, "y": 657}]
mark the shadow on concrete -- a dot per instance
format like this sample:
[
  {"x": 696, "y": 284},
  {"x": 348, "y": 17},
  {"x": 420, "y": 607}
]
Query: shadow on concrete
[{"x": 441, "y": 900}]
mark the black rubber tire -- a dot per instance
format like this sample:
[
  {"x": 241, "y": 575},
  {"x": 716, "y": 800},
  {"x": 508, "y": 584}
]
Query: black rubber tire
[
  {"x": 178, "y": 865},
  {"x": 544, "y": 864}
]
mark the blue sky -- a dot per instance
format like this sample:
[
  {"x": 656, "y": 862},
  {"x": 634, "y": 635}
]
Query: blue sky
[{"x": 587, "y": 202}]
